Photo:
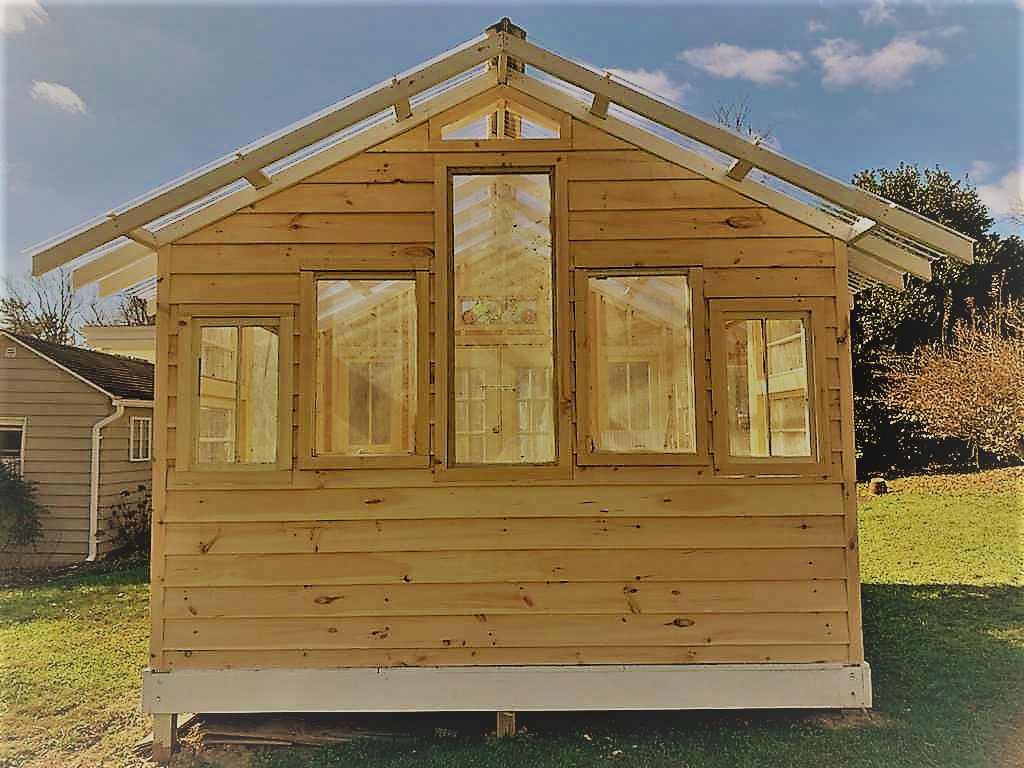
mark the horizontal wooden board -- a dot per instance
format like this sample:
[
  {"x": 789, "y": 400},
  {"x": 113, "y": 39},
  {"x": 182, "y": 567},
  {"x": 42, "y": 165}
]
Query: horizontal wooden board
[
  {"x": 457, "y": 567},
  {"x": 711, "y": 253},
  {"x": 640, "y": 195},
  {"x": 366, "y": 197},
  {"x": 507, "y": 598},
  {"x": 379, "y": 167},
  {"x": 586, "y": 137},
  {"x": 623, "y": 164},
  {"x": 317, "y": 228},
  {"x": 484, "y": 631},
  {"x": 234, "y": 289},
  {"x": 653, "y": 225},
  {"x": 413, "y": 140},
  {"x": 714, "y": 500},
  {"x": 408, "y": 657},
  {"x": 779, "y": 282},
  {"x": 504, "y": 533},
  {"x": 286, "y": 259}
]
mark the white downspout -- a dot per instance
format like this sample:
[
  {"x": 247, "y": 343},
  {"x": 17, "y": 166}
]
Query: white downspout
[{"x": 94, "y": 479}]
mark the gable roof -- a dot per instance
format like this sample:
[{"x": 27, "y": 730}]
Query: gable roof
[
  {"x": 120, "y": 378},
  {"x": 885, "y": 240}
]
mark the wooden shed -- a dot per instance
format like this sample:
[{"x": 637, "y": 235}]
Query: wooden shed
[
  {"x": 78, "y": 424},
  {"x": 504, "y": 385}
]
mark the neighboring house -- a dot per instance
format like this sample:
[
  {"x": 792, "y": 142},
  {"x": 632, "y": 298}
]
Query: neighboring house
[
  {"x": 79, "y": 424},
  {"x": 501, "y": 399},
  {"x": 138, "y": 341}
]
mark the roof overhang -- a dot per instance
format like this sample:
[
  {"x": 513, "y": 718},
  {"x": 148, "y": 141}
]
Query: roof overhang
[{"x": 885, "y": 240}]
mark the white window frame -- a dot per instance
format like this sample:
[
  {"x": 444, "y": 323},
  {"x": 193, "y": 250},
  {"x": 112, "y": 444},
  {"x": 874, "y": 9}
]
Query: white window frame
[
  {"x": 21, "y": 422},
  {"x": 132, "y": 423}
]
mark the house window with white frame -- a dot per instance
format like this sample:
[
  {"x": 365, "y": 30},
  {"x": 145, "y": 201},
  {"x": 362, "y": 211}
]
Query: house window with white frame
[
  {"x": 12, "y": 444},
  {"x": 140, "y": 442}
]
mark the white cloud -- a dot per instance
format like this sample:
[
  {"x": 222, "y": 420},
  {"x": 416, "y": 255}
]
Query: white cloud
[
  {"x": 814, "y": 26},
  {"x": 1005, "y": 197},
  {"x": 765, "y": 66},
  {"x": 942, "y": 33},
  {"x": 16, "y": 15},
  {"x": 655, "y": 81},
  {"x": 60, "y": 96},
  {"x": 980, "y": 170},
  {"x": 879, "y": 12},
  {"x": 844, "y": 63}
]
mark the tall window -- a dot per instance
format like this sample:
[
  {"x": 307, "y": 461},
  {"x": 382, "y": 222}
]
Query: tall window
[
  {"x": 640, "y": 368},
  {"x": 503, "y": 397},
  {"x": 365, "y": 402},
  {"x": 769, "y": 411},
  {"x": 12, "y": 444},
  {"x": 140, "y": 438},
  {"x": 238, "y": 394}
]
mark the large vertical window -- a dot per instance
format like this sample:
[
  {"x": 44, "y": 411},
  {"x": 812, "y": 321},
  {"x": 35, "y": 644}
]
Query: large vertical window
[
  {"x": 365, "y": 403},
  {"x": 769, "y": 411},
  {"x": 503, "y": 393},
  {"x": 237, "y": 416},
  {"x": 639, "y": 364}
]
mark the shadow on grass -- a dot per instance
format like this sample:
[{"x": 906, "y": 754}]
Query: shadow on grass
[{"x": 948, "y": 670}]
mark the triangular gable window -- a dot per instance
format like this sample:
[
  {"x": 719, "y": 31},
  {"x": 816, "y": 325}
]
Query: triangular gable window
[{"x": 502, "y": 119}]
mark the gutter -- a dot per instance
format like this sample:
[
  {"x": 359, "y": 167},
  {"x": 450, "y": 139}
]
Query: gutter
[{"x": 94, "y": 475}]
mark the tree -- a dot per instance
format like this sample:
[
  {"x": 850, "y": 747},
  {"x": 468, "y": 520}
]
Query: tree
[
  {"x": 970, "y": 386},
  {"x": 887, "y": 322},
  {"x": 50, "y": 309}
]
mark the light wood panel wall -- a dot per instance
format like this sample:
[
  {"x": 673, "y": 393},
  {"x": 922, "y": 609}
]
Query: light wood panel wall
[{"x": 610, "y": 565}]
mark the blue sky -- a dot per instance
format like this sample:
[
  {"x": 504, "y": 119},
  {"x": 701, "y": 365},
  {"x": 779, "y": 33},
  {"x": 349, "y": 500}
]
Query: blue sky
[{"x": 104, "y": 102}]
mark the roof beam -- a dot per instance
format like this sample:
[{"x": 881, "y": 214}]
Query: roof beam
[
  {"x": 143, "y": 236},
  {"x": 739, "y": 170},
  {"x": 599, "y": 106},
  {"x": 129, "y": 253},
  {"x": 852, "y": 198},
  {"x": 257, "y": 178},
  {"x": 403, "y": 109},
  {"x": 861, "y": 229},
  {"x": 262, "y": 153}
]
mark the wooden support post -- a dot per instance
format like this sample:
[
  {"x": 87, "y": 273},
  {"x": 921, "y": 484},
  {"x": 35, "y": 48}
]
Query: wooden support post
[
  {"x": 739, "y": 170},
  {"x": 165, "y": 736},
  {"x": 257, "y": 178},
  {"x": 506, "y": 724},
  {"x": 599, "y": 106}
]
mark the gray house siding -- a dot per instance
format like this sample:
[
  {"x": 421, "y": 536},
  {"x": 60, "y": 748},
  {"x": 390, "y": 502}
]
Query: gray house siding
[
  {"x": 117, "y": 471},
  {"x": 60, "y": 411}
]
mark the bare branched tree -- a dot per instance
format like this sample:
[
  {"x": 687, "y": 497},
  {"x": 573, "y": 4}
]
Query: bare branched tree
[
  {"x": 970, "y": 386},
  {"x": 736, "y": 115},
  {"x": 47, "y": 308}
]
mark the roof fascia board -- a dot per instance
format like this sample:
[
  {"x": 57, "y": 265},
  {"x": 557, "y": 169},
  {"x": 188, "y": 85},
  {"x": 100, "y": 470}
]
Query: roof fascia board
[
  {"x": 321, "y": 126},
  {"x": 109, "y": 268},
  {"x": 884, "y": 251},
  {"x": 859, "y": 261},
  {"x": 66, "y": 370},
  {"x": 852, "y": 198}
]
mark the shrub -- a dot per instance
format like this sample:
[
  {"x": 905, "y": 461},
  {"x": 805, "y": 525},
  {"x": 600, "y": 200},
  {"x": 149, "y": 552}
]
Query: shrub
[
  {"x": 129, "y": 520},
  {"x": 20, "y": 525}
]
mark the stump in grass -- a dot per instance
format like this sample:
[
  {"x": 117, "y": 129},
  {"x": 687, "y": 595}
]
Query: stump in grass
[{"x": 877, "y": 486}]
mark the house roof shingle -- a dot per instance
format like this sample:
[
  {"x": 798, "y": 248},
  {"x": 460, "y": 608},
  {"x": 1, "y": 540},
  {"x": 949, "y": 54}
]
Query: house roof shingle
[{"x": 120, "y": 377}]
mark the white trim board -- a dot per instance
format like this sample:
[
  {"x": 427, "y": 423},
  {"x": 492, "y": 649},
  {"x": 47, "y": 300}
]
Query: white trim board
[{"x": 510, "y": 688}]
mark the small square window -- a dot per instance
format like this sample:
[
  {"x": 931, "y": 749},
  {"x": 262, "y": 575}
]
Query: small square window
[
  {"x": 140, "y": 442},
  {"x": 12, "y": 444}
]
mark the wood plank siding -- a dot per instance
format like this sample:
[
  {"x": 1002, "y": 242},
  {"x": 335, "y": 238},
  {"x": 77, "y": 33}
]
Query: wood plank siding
[{"x": 572, "y": 564}]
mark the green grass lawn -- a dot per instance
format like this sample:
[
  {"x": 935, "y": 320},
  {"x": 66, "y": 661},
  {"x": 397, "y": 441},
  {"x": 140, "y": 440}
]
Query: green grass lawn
[{"x": 943, "y": 599}]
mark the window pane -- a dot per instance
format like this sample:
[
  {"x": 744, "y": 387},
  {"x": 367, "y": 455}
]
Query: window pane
[
  {"x": 641, "y": 364},
  {"x": 10, "y": 447},
  {"x": 238, "y": 395},
  {"x": 366, "y": 367},
  {"x": 503, "y": 403},
  {"x": 766, "y": 365}
]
